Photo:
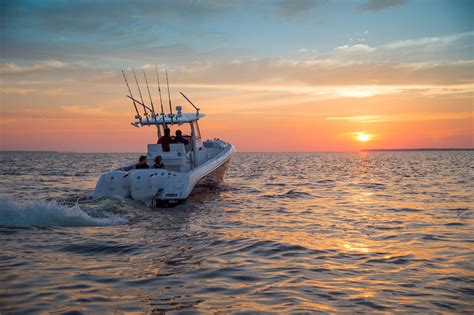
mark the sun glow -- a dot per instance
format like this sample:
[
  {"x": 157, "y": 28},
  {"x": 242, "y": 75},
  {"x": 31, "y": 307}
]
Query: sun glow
[{"x": 363, "y": 137}]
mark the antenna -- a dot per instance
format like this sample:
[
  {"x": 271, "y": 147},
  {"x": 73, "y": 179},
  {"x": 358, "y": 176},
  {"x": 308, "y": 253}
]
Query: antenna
[
  {"x": 187, "y": 99},
  {"x": 159, "y": 91},
  {"x": 130, "y": 91},
  {"x": 139, "y": 91},
  {"x": 149, "y": 94},
  {"x": 169, "y": 96}
]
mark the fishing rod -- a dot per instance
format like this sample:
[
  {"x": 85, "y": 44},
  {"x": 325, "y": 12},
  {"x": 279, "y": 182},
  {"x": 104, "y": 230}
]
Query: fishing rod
[
  {"x": 169, "y": 96},
  {"x": 153, "y": 115},
  {"x": 159, "y": 91},
  {"x": 130, "y": 91},
  {"x": 137, "y": 101},
  {"x": 187, "y": 99},
  {"x": 139, "y": 91}
]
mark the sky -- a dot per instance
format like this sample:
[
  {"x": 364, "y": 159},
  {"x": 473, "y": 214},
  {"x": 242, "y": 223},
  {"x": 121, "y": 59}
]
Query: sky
[{"x": 301, "y": 75}]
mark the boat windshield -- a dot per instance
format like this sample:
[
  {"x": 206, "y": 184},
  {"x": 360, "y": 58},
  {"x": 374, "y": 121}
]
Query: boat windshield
[{"x": 184, "y": 128}]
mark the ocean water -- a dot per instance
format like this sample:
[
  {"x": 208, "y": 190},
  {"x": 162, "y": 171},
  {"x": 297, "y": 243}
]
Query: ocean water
[{"x": 286, "y": 233}]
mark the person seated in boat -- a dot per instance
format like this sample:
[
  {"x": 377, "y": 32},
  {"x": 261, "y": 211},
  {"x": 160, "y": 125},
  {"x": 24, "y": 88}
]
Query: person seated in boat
[
  {"x": 141, "y": 163},
  {"x": 158, "y": 163},
  {"x": 179, "y": 138},
  {"x": 165, "y": 140}
]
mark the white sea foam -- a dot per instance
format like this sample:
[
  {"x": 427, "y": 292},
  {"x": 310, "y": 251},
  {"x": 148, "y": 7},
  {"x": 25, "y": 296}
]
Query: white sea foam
[{"x": 50, "y": 213}]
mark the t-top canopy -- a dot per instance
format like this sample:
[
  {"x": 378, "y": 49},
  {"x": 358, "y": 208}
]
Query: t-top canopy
[
  {"x": 150, "y": 116},
  {"x": 167, "y": 119}
]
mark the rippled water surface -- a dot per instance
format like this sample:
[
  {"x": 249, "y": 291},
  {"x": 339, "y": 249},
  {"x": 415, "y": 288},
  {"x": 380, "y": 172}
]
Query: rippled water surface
[{"x": 286, "y": 232}]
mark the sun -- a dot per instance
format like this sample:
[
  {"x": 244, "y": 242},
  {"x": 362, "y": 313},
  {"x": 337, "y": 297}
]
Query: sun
[{"x": 363, "y": 137}]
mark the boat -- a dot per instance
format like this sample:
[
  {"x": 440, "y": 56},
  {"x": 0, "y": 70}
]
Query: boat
[{"x": 184, "y": 164}]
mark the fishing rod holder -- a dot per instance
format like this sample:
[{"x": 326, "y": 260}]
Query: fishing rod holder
[{"x": 149, "y": 112}]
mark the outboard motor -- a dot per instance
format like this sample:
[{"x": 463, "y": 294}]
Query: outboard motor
[
  {"x": 113, "y": 184},
  {"x": 142, "y": 187}
]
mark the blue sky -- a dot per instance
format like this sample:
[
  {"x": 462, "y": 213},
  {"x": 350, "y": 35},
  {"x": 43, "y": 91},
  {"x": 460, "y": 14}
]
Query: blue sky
[{"x": 181, "y": 32}]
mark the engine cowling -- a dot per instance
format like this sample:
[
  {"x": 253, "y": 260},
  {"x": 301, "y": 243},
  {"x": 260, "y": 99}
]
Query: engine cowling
[{"x": 113, "y": 184}]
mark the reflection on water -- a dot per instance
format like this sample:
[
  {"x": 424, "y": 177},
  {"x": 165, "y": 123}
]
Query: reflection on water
[{"x": 332, "y": 232}]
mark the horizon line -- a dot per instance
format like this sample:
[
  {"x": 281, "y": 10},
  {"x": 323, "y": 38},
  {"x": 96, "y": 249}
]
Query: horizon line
[{"x": 349, "y": 151}]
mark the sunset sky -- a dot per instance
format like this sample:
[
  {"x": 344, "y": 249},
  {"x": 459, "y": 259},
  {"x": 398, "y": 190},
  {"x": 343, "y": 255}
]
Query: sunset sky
[{"x": 302, "y": 75}]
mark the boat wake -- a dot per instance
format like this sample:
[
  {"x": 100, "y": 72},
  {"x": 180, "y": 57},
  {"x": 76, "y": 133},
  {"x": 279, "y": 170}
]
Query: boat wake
[{"x": 52, "y": 213}]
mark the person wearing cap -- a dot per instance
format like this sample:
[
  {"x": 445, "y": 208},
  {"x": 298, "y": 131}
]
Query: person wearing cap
[
  {"x": 141, "y": 163},
  {"x": 179, "y": 138}
]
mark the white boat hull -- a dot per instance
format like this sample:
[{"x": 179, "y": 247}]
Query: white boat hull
[{"x": 161, "y": 186}]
